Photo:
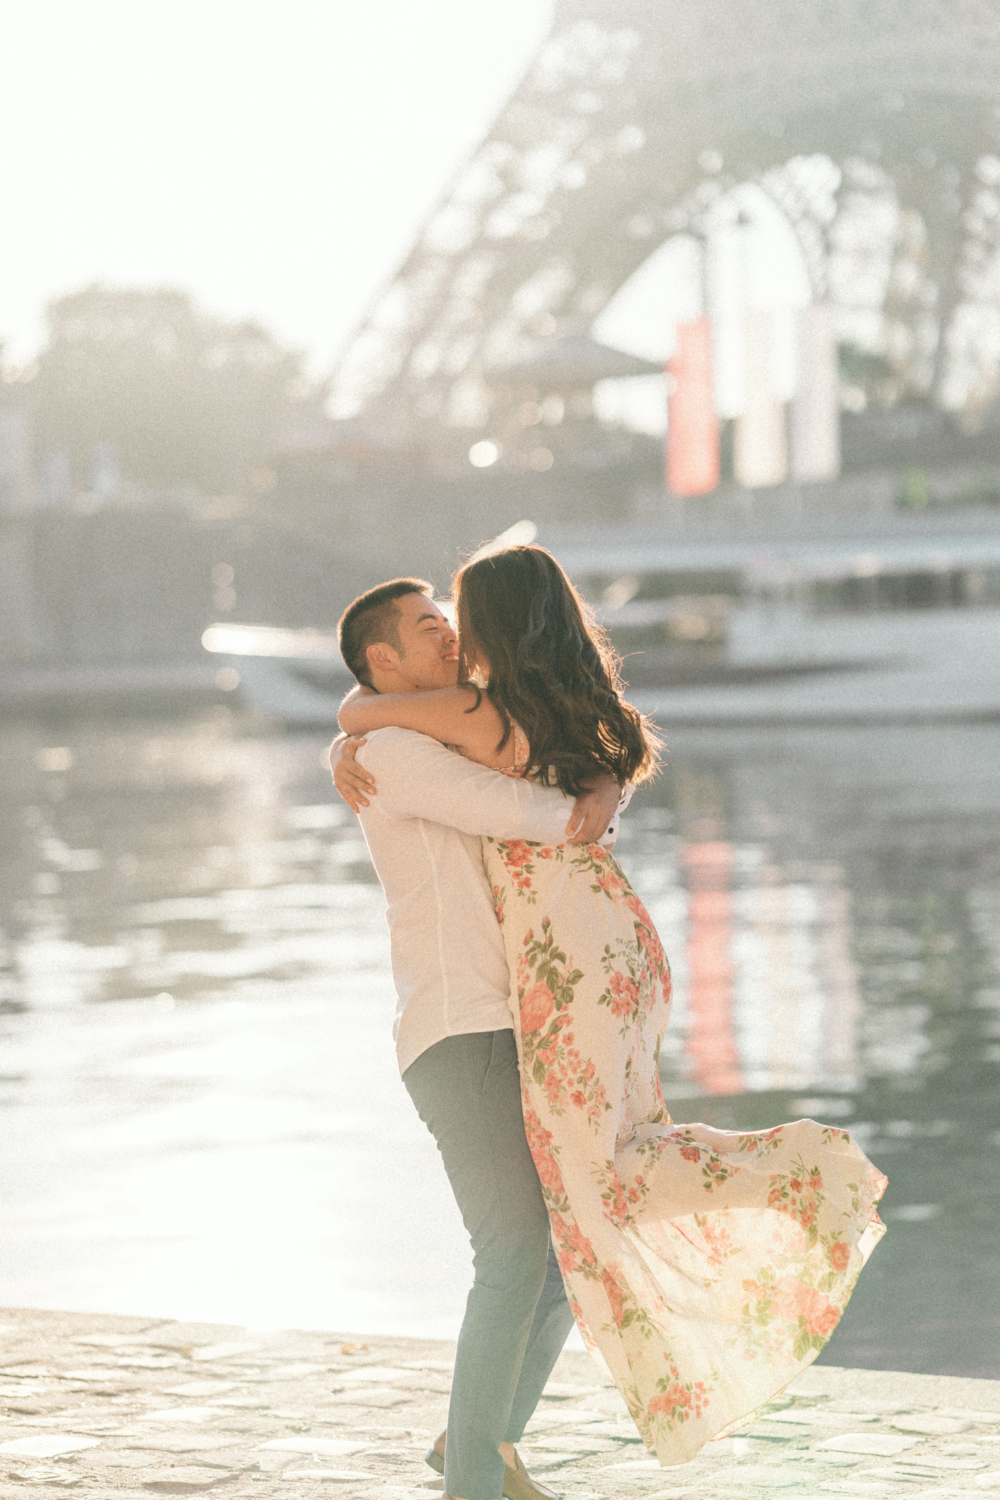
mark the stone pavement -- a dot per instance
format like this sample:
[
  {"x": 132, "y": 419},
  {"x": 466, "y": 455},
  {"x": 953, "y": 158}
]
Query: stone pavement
[{"x": 130, "y": 1407}]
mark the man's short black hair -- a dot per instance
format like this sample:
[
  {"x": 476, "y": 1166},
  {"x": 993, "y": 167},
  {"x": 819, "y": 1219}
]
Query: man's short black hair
[{"x": 374, "y": 617}]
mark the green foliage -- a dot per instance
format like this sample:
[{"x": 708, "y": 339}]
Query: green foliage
[
  {"x": 915, "y": 490},
  {"x": 870, "y": 373},
  {"x": 182, "y": 398}
]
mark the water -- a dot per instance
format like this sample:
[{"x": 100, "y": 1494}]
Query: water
[{"x": 201, "y": 1112}]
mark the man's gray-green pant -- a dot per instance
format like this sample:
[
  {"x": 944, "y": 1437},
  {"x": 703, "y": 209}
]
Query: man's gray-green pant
[{"x": 467, "y": 1091}]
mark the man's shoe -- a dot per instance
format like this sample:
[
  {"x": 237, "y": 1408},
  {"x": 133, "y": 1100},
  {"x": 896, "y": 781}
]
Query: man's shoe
[
  {"x": 433, "y": 1457},
  {"x": 517, "y": 1482},
  {"x": 519, "y": 1485}
]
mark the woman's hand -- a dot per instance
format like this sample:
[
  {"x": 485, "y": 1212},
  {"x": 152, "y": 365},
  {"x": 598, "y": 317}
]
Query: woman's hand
[
  {"x": 593, "y": 812},
  {"x": 352, "y": 781}
]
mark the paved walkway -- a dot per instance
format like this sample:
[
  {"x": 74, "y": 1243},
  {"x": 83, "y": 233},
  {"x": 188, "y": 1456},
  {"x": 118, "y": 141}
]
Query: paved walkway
[{"x": 121, "y": 1407}]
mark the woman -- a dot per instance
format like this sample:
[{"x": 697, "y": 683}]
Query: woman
[{"x": 706, "y": 1268}]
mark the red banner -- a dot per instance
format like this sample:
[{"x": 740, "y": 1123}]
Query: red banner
[{"x": 693, "y": 436}]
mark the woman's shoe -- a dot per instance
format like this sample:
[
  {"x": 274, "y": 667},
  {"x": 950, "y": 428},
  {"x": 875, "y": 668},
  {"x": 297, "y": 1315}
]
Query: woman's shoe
[{"x": 517, "y": 1482}]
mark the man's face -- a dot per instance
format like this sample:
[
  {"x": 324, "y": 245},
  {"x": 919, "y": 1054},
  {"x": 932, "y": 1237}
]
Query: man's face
[{"x": 428, "y": 655}]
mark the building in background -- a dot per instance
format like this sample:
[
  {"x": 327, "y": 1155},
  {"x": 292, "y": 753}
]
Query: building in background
[{"x": 18, "y": 482}]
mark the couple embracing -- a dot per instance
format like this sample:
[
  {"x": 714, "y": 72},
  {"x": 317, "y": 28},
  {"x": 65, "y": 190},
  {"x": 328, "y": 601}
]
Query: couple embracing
[{"x": 704, "y": 1268}]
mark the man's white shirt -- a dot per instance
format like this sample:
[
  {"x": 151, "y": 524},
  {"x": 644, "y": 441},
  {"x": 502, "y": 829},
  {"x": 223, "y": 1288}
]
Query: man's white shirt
[{"x": 423, "y": 828}]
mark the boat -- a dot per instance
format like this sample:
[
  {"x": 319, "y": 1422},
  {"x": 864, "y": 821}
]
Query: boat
[{"x": 894, "y": 621}]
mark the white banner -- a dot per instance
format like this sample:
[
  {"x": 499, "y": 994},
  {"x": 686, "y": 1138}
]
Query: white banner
[
  {"x": 760, "y": 453},
  {"x": 814, "y": 419}
]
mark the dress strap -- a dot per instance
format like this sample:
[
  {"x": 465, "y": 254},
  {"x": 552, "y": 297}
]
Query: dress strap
[{"x": 522, "y": 747}]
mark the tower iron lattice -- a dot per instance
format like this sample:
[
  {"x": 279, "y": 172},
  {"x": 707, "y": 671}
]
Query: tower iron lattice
[{"x": 632, "y": 120}]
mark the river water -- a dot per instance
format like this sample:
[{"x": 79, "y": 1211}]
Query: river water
[{"x": 201, "y": 1115}]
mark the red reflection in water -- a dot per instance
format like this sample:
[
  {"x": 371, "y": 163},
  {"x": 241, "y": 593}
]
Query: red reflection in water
[{"x": 711, "y": 1040}]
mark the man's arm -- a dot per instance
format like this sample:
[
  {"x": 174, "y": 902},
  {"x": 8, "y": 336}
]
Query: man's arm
[
  {"x": 589, "y": 822},
  {"x": 419, "y": 778}
]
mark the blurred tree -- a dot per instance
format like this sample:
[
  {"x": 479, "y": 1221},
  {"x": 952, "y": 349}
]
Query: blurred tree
[
  {"x": 867, "y": 377},
  {"x": 177, "y": 396}
]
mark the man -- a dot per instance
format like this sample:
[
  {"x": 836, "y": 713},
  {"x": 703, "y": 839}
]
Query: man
[{"x": 453, "y": 1028}]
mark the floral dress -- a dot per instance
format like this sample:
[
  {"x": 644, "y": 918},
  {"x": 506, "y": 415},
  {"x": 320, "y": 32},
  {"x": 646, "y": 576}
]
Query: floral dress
[{"x": 707, "y": 1268}]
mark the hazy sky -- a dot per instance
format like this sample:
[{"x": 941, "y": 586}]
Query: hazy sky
[{"x": 273, "y": 158}]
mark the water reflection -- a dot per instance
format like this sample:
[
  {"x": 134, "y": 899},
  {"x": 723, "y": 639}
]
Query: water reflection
[
  {"x": 201, "y": 1110},
  {"x": 765, "y": 986}
]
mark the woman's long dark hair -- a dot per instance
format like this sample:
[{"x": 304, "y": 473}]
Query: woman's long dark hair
[{"x": 551, "y": 668}]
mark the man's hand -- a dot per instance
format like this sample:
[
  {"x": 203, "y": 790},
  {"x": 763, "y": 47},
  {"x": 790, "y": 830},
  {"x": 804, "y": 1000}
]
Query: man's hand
[
  {"x": 352, "y": 781},
  {"x": 593, "y": 812}
]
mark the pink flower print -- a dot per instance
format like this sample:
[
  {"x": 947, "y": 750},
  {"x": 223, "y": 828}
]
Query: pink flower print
[
  {"x": 614, "y": 1293},
  {"x": 792, "y": 1300},
  {"x": 539, "y": 1139},
  {"x": 565, "y": 1253},
  {"x": 572, "y": 1246},
  {"x": 786, "y": 1298},
  {"x": 577, "y": 1312},
  {"x": 624, "y": 993},
  {"x": 823, "y": 1321},
  {"x": 578, "y": 1241},
  {"x": 536, "y": 1006},
  {"x": 548, "y": 1172},
  {"x": 675, "y": 1396},
  {"x": 516, "y": 854},
  {"x": 718, "y": 1240},
  {"x": 617, "y": 1200},
  {"x": 610, "y": 884},
  {"x": 691, "y": 1153},
  {"x": 650, "y": 944},
  {"x": 840, "y": 1255}
]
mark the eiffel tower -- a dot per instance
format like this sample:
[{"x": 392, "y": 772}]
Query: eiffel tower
[{"x": 633, "y": 117}]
